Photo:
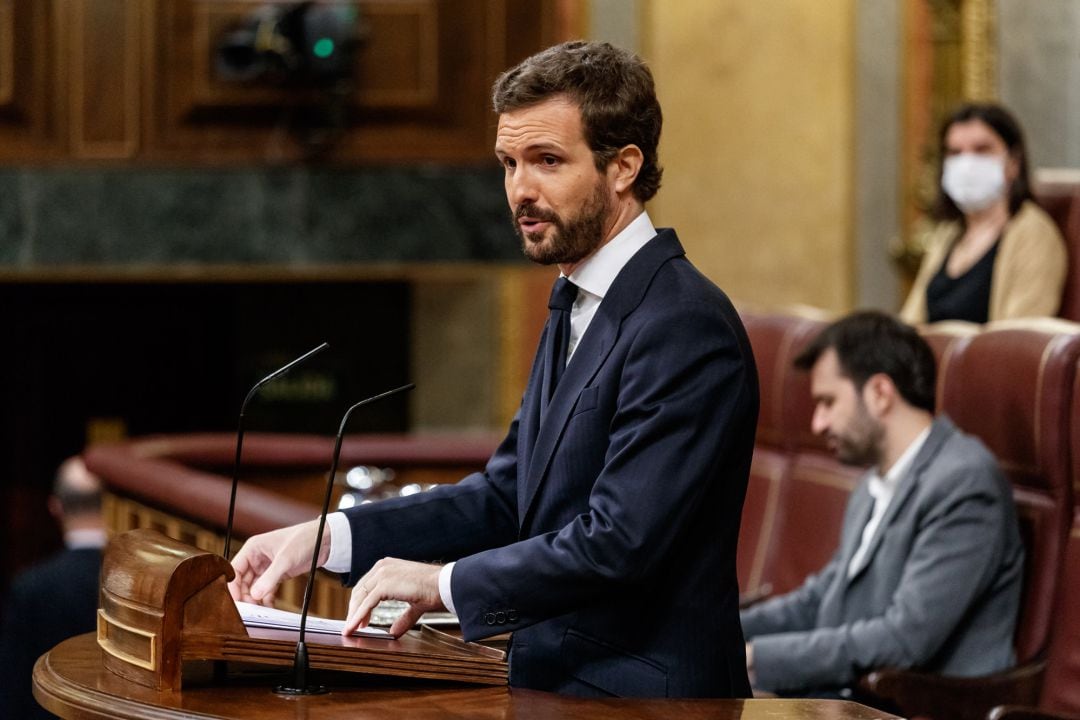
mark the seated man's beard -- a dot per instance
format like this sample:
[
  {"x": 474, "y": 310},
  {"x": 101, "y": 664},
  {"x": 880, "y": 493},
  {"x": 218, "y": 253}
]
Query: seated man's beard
[
  {"x": 861, "y": 445},
  {"x": 572, "y": 239}
]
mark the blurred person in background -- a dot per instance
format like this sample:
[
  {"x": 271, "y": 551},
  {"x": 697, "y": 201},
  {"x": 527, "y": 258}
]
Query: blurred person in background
[
  {"x": 993, "y": 254},
  {"x": 929, "y": 567},
  {"x": 57, "y": 598}
]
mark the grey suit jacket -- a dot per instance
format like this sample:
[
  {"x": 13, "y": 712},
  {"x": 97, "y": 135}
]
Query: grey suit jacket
[{"x": 938, "y": 589}]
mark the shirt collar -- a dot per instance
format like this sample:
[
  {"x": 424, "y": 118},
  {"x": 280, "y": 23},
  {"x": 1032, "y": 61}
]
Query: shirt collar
[
  {"x": 596, "y": 273},
  {"x": 85, "y": 538},
  {"x": 899, "y": 468}
]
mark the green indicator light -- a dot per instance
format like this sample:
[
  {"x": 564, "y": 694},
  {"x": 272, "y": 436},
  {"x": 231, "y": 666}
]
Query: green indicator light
[{"x": 324, "y": 47}]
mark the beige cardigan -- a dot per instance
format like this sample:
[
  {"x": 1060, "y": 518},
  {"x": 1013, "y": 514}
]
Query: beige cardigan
[{"x": 1029, "y": 270}]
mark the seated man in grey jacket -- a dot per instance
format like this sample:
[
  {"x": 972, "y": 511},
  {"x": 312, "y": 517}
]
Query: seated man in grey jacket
[{"x": 929, "y": 567}]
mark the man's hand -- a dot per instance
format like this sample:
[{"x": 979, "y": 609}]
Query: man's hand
[
  {"x": 392, "y": 579},
  {"x": 267, "y": 559}
]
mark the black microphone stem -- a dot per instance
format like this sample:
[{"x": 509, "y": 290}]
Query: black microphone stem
[
  {"x": 240, "y": 436},
  {"x": 300, "y": 685},
  {"x": 326, "y": 499}
]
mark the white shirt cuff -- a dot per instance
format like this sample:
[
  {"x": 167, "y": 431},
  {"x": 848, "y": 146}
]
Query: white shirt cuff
[
  {"x": 444, "y": 587},
  {"x": 340, "y": 559}
]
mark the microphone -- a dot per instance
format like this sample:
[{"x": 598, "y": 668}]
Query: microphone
[
  {"x": 300, "y": 685},
  {"x": 240, "y": 435}
]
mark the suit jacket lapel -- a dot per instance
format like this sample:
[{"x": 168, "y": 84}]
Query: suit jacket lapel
[
  {"x": 624, "y": 295},
  {"x": 864, "y": 506},
  {"x": 529, "y": 418},
  {"x": 586, "y": 360},
  {"x": 939, "y": 431}
]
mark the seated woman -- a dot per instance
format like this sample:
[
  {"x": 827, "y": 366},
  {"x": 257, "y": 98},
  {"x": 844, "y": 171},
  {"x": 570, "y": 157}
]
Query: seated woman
[{"x": 994, "y": 253}]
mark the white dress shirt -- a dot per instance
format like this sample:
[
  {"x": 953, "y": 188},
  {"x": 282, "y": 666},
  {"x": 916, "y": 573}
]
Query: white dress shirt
[
  {"x": 83, "y": 538},
  {"x": 882, "y": 489},
  {"x": 593, "y": 277}
]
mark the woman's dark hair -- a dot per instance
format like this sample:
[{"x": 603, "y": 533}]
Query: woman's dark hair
[
  {"x": 612, "y": 87},
  {"x": 1002, "y": 122},
  {"x": 870, "y": 342}
]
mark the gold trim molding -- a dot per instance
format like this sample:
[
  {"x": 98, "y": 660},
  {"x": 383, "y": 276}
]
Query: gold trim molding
[
  {"x": 978, "y": 49},
  {"x": 951, "y": 57}
]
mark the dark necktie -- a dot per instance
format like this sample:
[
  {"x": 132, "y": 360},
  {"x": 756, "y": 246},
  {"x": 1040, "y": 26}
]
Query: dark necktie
[{"x": 562, "y": 299}]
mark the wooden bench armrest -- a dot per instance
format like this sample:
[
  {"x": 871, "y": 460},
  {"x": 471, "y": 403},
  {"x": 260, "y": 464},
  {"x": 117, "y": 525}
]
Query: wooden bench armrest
[{"x": 958, "y": 698}]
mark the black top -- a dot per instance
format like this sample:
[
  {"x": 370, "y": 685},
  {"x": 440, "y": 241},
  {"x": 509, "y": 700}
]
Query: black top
[{"x": 966, "y": 297}]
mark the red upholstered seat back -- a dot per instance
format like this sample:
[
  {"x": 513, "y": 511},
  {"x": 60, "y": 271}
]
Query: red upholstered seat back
[
  {"x": 809, "y": 519},
  {"x": 1061, "y": 685},
  {"x": 1061, "y": 200},
  {"x": 774, "y": 339},
  {"x": 784, "y": 418},
  {"x": 1011, "y": 385},
  {"x": 798, "y": 492},
  {"x": 942, "y": 338},
  {"x": 767, "y": 475}
]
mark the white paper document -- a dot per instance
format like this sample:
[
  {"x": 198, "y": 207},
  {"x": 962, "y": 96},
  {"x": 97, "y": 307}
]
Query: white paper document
[{"x": 264, "y": 617}]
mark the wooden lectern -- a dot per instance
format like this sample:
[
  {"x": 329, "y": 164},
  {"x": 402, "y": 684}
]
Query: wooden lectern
[{"x": 164, "y": 602}]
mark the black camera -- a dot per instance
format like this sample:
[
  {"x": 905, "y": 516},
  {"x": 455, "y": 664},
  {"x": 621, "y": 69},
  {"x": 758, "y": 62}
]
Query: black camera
[{"x": 307, "y": 43}]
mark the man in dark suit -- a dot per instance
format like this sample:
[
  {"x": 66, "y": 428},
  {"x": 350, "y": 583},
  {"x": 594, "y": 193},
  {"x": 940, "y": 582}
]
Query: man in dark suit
[
  {"x": 57, "y": 599},
  {"x": 602, "y": 532},
  {"x": 930, "y": 564}
]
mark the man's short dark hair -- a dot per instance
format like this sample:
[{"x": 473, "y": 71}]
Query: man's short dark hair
[
  {"x": 870, "y": 342},
  {"x": 614, "y": 90}
]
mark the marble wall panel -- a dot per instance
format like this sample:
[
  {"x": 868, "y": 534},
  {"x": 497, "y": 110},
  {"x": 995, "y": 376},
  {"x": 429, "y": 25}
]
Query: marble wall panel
[{"x": 133, "y": 216}]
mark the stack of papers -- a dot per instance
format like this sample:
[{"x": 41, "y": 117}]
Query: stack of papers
[
  {"x": 386, "y": 612},
  {"x": 264, "y": 617}
]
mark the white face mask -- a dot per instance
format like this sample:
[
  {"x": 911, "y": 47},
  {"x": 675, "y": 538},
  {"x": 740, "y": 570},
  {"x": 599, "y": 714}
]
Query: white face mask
[{"x": 974, "y": 182}]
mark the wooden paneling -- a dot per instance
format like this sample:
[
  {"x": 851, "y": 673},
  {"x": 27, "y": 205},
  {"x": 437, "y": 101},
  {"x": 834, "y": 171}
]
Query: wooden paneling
[
  {"x": 400, "y": 68},
  {"x": 123, "y": 80},
  {"x": 423, "y": 78},
  {"x": 7, "y": 51},
  {"x": 104, "y": 77},
  {"x": 397, "y": 69},
  {"x": 28, "y": 88}
]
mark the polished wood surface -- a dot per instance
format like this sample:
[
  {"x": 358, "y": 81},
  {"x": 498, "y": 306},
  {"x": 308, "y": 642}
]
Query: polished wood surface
[
  {"x": 164, "y": 604},
  {"x": 71, "y": 682},
  {"x": 420, "y": 91}
]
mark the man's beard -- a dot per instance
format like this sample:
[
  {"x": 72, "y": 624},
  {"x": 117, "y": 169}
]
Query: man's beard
[
  {"x": 571, "y": 240},
  {"x": 861, "y": 444}
]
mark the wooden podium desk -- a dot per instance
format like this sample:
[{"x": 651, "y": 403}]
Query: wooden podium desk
[{"x": 71, "y": 682}]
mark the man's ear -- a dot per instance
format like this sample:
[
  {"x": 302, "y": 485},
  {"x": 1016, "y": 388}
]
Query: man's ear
[
  {"x": 55, "y": 508},
  {"x": 879, "y": 394},
  {"x": 625, "y": 166}
]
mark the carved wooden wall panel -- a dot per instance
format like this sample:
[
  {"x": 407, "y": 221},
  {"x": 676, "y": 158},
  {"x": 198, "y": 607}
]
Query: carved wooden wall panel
[
  {"x": 29, "y": 127},
  {"x": 421, "y": 92},
  {"x": 104, "y": 38},
  {"x": 397, "y": 69},
  {"x": 135, "y": 80},
  {"x": 7, "y": 52}
]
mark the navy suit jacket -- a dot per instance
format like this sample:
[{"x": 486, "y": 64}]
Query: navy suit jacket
[
  {"x": 603, "y": 534},
  {"x": 46, "y": 604}
]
